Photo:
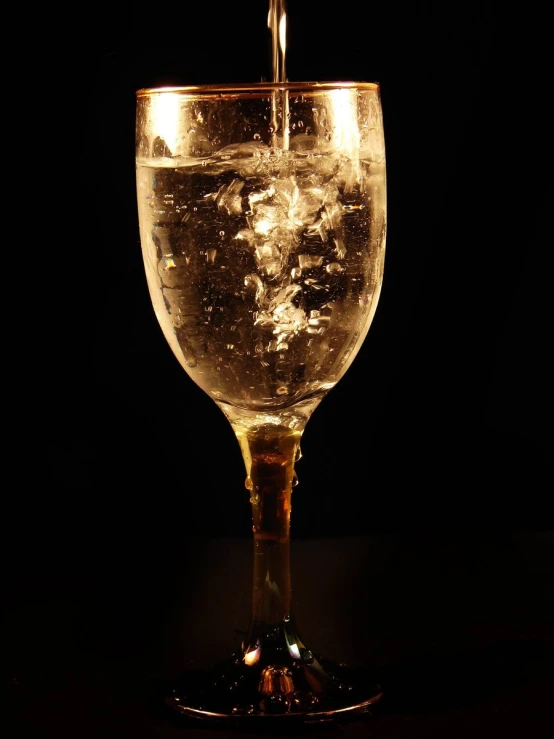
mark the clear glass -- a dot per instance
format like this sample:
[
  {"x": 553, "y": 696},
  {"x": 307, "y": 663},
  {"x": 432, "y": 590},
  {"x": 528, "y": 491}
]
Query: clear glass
[{"x": 262, "y": 213}]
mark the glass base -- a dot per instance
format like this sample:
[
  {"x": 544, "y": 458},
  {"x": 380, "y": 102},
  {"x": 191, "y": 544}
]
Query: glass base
[{"x": 275, "y": 677}]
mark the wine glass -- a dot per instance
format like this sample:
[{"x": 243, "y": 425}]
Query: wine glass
[{"x": 262, "y": 214}]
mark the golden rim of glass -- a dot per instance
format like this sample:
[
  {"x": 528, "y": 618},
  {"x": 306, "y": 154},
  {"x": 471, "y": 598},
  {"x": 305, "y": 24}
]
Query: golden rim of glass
[{"x": 256, "y": 88}]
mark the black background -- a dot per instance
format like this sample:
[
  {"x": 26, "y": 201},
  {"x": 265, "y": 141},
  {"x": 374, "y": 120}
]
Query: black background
[
  {"x": 445, "y": 413},
  {"x": 436, "y": 444}
]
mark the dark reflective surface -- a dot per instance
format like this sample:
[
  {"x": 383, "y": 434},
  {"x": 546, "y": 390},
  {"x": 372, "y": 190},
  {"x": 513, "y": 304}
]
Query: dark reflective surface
[{"x": 458, "y": 628}]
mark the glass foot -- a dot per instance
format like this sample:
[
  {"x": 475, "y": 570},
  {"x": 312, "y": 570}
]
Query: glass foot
[{"x": 275, "y": 676}]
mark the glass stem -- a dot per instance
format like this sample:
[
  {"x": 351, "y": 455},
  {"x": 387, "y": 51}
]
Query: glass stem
[{"x": 269, "y": 453}]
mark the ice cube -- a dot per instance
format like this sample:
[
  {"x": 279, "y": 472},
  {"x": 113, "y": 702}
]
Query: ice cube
[
  {"x": 228, "y": 198},
  {"x": 309, "y": 261}
]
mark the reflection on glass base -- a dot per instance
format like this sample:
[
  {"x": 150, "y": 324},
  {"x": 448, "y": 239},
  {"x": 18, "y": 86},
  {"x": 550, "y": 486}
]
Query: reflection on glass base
[{"x": 275, "y": 677}]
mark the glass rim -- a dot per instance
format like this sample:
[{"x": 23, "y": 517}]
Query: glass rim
[{"x": 255, "y": 88}]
